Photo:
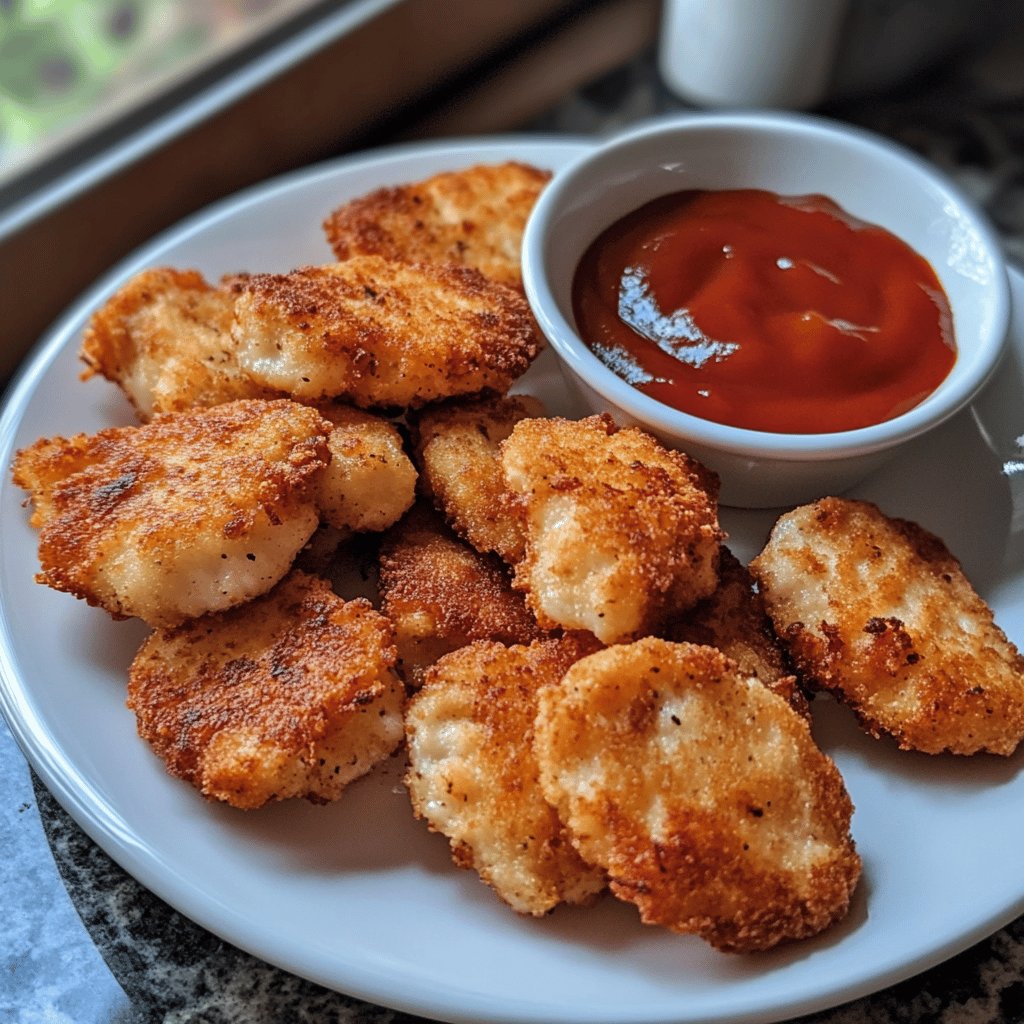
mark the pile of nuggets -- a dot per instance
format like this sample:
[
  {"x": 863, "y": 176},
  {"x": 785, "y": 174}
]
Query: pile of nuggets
[{"x": 593, "y": 692}]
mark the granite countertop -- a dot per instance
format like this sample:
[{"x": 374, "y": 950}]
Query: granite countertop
[{"x": 83, "y": 943}]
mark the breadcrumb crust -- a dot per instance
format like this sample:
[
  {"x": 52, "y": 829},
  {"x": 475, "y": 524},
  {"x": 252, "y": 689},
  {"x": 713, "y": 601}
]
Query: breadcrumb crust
[
  {"x": 291, "y": 695},
  {"x": 472, "y": 217},
  {"x": 621, "y": 533},
  {"x": 164, "y": 338},
  {"x": 701, "y": 793},
  {"x": 190, "y": 513},
  {"x": 458, "y": 446},
  {"x": 473, "y": 774},
  {"x": 380, "y": 334},
  {"x": 877, "y": 611}
]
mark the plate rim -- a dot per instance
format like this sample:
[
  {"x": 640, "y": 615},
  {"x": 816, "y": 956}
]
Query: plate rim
[{"x": 107, "y": 828}]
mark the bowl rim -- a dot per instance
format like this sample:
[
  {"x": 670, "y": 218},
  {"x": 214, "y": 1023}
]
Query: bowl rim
[{"x": 962, "y": 384}]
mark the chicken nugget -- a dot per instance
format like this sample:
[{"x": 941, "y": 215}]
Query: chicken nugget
[
  {"x": 473, "y": 776},
  {"x": 165, "y": 339},
  {"x": 440, "y": 594},
  {"x": 700, "y": 792},
  {"x": 291, "y": 695},
  {"x": 370, "y": 482},
  {"x": 621, "y": 532},
  {"x": 458, "y": 449},
  {"x": 473, "y": 217},
  {"x": 877, "y": 611},
  {"x": 733, "y": 620},
  {"x": 188, "y": 514},
  {"x": 381, "y": 334}
]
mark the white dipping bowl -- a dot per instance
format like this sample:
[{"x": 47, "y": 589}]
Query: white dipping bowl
[{"x": 790, "y": 154}]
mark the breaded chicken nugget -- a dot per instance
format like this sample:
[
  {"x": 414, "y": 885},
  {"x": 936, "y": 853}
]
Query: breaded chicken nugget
[
  {"x": 191, "y": 513},
  {"x": 879, "y": 612},
  {"x": 291, "y": 695},
  {"x": 733, "y": 620},
  {"x": 458, "y": 449},
  {"x": 621, "y": 532},
  {"x": 473, "y": 776},
  {"x": 700, "y": 792},
  {"x": 370, "y": 482},
  {"x": 440, "y": 594},
  {"x": 474, "y": 217},
  {"x": 165, "y": 339},
  {"x": 381, "y": 334}
]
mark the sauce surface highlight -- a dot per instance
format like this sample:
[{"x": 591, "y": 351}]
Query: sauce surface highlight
[{"x": 773, "y": 313}]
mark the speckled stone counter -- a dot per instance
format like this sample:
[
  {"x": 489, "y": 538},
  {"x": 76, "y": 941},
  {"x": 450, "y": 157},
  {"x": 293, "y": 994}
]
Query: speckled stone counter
[{"x": 83, "y": 943}]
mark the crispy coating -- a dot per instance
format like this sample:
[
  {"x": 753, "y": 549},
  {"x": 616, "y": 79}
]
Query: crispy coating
[
  {"x": 878, "y": 611},
  {"x": 473, "y": 217},
  {"x": 291, "y": 695},
  {"x": 188, "y": 514},
  {"x": 621, "y": 532},
  {"x": 458, "y": 448},
  {"x": 733, "y": 620},
  {"x": 441, "y": 595},
  {"x": 701, "y": 793},
  {"x": 381, "y": 334},
  {"x": 370, "y": 482},
  {"x": 165, "y": 339},
  {"x": 473, "y": 775}
]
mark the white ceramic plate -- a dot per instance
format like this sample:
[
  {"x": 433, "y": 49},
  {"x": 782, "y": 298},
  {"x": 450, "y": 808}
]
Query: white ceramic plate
[{"x": 360, "y": 897}]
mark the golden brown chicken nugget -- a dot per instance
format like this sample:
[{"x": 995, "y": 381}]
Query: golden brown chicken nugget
[
  {"x": 734, "y": 621},
  {"x": 879, "y": 612},
  {"x": 381, "y": 334},
  {"x": 458, "y": 449},
  {"x": 370, "y": 482},
  {"x": 700, "y": 792},
  {"x": 441, "y": 594},
  {"x": 188, "y": 514},
  {"x": 473, "y": 775},
  {"x": 473, "y": 217},
  {"x": 165, "y": 339},
  {"x": 621, "y": 532},
  {"x": 291, "y": 695}
]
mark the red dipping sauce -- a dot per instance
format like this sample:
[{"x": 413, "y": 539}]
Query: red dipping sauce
[{"x": 776, "y": 313}]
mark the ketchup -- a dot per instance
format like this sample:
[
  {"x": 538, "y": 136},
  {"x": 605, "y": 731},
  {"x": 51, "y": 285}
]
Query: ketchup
[{"x": 777, "y": 313}]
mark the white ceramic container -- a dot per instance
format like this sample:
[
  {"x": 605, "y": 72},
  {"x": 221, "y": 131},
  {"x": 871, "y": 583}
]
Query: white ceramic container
[{"x": 791, "y": 154}]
